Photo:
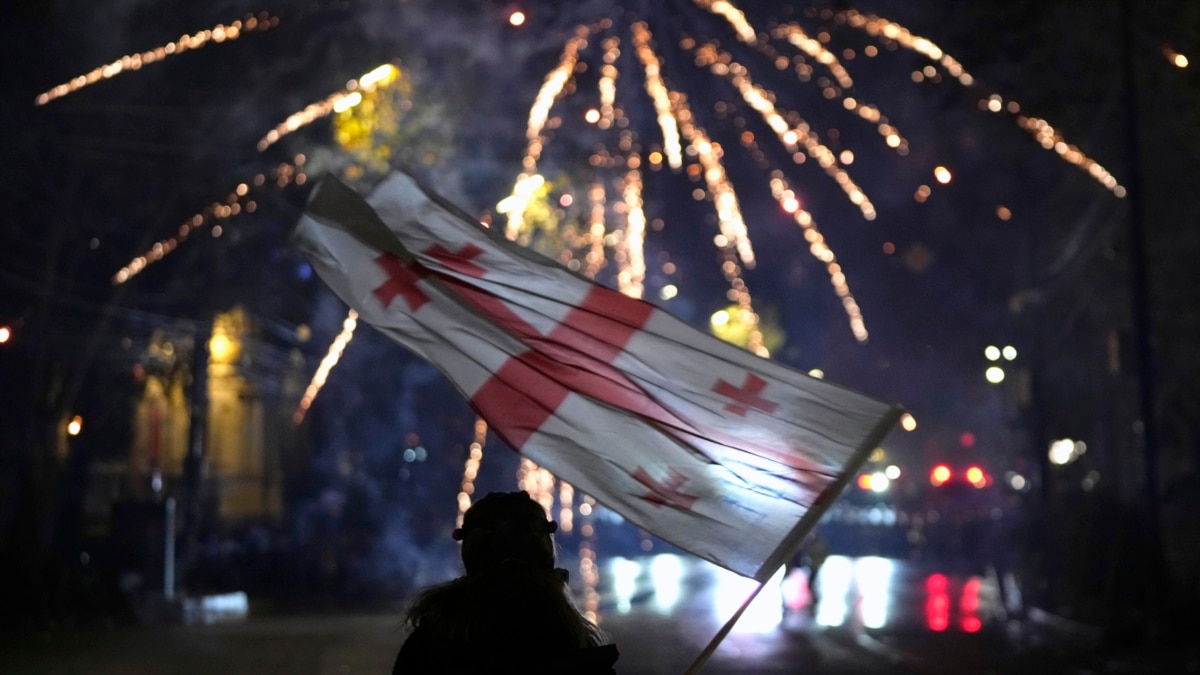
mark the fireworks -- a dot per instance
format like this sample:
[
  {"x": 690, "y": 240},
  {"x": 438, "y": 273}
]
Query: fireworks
[
  {"x": 338, "y": 102},
  {"x": 327, "y": 364},
  {"x": 238, "y": 201},
  {"x": 1045, "y": 134},
  {"x": 219, "y": 33}
]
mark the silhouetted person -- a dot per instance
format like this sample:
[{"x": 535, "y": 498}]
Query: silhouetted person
[{"x": 511, "y": 612}]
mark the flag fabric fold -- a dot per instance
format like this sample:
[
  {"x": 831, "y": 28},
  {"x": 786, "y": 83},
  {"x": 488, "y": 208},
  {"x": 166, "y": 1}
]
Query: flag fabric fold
[{"x": 725, "y": 454}]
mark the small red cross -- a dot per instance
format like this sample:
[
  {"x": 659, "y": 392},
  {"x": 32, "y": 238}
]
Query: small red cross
[
  {"x": 747, "y": 396},
  {"x": 460, "y": 260},
  {"x": 402, "y": 280},
  {"x": 667, "y": 492},
  {"x": 403, "y": 276}
]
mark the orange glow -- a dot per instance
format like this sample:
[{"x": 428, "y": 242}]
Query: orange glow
[
  {"x": 5, "y": 334},
  {"x": 976, "y": 477},
  {"x": 939, "y": 475},
  {"x": 516, "y": 18},
  {"x": 864, "y": 481}
]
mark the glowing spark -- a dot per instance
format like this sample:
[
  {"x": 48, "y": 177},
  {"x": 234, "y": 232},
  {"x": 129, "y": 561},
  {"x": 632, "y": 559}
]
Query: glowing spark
[
  {"x": 237, "y": 202},
  {"x": 799, "y": 39},
  {"x": 218, "y": 33},
  {"x": 1174, "y": 58},
  {"x": 1042, "y": 131},
  {"x": 596, "y": 231},
  {"x": 566, "y": 507},
  {"x": 657, "y": 90},
  {"x": 633, "y": 272},
  {"x": 327, "y": 364},
  {"x": 471, "y": 469},
  {"x": 588, "y": 570},
  {"x": 335, "y": 103},
  {"x": 538, "y": 482},
  {"x": 821, "y": 251},
  {"x": 877, "y": 27},
  {"x": 729, "y": 214},
  {"x": 729, "y": 217},
  {"x": 539, "y": 112},
  {"x": 734, "y": 16},
  {"x": 791, "y": 135},
  {"x": 608, "y": 82}
]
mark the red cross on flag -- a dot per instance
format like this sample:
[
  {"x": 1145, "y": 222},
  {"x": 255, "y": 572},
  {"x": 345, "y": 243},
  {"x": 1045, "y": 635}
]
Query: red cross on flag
[{"x": 725, "y": 454}]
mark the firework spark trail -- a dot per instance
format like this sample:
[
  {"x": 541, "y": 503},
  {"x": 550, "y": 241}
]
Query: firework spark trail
[
  {"x": 219, "y": 33},
  {"x": 632, "y": 245},
  {"x": 729, "y": 217},
  {"x": 471, "y": 469},
  {"x": 237, "y": 202},
  {"x": 608, "y": 82},
  {"x": 327, "y": 364},
  {"x": 796, "y": 36},
  {"x": 539, "y": 112},
  {"x": 792, "y": 134},
  {"x": 596, "y": 230},
  {"x": 335, "y": 103},
  {"x": 734, "y": 16},
  {"x": 657, "y": 91},
  {"x": 820, "y": 250},
  {"x": 1045, "y": 134}
]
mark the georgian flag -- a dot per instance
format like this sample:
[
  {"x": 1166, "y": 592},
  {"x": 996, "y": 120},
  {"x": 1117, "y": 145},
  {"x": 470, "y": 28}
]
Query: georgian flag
[{"x": 725, "y": 454}]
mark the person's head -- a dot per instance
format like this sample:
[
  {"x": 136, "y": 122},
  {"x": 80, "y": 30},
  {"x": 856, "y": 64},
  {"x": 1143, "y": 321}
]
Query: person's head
[{"x": 506, "y": 528}]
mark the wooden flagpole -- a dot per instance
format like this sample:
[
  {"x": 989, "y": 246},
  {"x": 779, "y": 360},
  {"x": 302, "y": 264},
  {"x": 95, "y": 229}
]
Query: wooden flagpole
[{"x": 806, "y": 523}]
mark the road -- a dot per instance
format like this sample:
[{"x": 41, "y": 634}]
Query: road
[{"x": 874, "y": 615}]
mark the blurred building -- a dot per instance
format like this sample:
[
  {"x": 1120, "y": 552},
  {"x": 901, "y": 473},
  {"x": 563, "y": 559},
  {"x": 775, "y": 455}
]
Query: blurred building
[{"x": 247, "y": 428}]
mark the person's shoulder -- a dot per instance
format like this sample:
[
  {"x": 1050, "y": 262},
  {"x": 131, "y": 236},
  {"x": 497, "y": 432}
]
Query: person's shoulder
[{"x": 597, "y": 660}]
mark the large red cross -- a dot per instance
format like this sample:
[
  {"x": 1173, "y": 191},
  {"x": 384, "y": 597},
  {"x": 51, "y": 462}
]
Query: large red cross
[
  {"x": 576, "y": 355},
  {"x": 745, "y": 397}
]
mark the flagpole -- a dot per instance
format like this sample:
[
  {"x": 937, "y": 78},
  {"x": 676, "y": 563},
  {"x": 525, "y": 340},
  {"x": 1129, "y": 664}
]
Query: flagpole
[
  {"x": 720, "y": 636},
  {"x": 805, "y": 524}
]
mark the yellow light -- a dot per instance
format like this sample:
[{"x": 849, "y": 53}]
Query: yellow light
[
  {"x": 669, "y": 291},
  {"x": 992, "y": 352},
  {"x": 940, "y": 474},
  {"x": 908, "y": 422},
  {"x": 222, "y": 348},
  {"x": 75, "y": 425},
  {"x": 1009, "y": 352},
  {"x": 994, "y": 374},
  {"x": 5, "y": 334},
  {"x": 516, "y": 18},
  {"x": 1180, "y": 61},
  {"x": 592, "y": 116},
  {"x": 817, "y": 373},
  {"x": 942, "y": 174}
]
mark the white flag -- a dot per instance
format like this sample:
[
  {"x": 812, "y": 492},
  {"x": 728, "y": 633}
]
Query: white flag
[{"x": 725, "y": 454}]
